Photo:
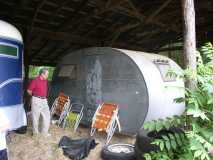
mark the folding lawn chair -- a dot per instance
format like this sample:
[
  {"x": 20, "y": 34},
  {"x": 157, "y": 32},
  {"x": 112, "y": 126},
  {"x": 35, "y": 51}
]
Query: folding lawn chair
[
  {"x": 60, "y": 107},
  {"x": 74, "y": 116},
  {"x": 106, "y": 119}
]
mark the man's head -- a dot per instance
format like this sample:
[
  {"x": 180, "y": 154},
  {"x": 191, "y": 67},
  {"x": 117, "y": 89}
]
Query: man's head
[{"x": 44, "y": 73}]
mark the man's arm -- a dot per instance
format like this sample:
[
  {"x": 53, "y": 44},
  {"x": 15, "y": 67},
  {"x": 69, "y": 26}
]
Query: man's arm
[
  {"x": 31, "y": 87},
  {"x": 30, "y": 92}
]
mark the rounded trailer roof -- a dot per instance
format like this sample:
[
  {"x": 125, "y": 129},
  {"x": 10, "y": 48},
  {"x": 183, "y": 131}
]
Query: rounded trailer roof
[
  {"x": 9, "y": 31},
  {"x": 161, "y": 93}
]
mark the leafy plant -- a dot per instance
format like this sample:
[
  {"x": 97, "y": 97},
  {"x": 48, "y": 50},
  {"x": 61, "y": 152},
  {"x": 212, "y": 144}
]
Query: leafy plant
[
  {"x": 34, "y": 71},
  {"x": 197, "y": 121}
]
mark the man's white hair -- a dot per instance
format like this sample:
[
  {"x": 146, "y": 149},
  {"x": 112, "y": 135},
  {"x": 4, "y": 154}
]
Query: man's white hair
[{"x": 43, "y": 70}]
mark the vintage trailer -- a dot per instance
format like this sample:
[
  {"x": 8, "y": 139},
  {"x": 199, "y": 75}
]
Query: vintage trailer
[{"x": 134, "y": 80}]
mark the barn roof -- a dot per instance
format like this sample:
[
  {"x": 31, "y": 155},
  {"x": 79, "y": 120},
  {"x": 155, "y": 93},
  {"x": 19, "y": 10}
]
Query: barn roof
[{"x": 53, "y": 28}]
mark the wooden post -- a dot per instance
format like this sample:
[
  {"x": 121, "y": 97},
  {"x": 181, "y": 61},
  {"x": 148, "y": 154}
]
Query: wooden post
[{"x": 189, "y": 39}]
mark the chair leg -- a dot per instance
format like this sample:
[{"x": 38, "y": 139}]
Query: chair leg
[
  {"x": 92, "y": 132},
  {"x": 52, "y": 111},
  {"x": 61, "y": 118},
  {"x": 111, "y": 131},
  {"x": 64, "y": 123},
  {"x": 78, "y": 120},
  {"x": 63, "y": 114}
]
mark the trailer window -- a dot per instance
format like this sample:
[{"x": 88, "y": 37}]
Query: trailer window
[
  {"x": 8, "y": 50},
  {"x": 68, "y": 71},
  {"x": 164, "y": 67}
]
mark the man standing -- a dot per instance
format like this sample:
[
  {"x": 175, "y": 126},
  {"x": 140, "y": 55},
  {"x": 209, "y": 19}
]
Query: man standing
[
  {"x": 4, "y": 126},
  {"x": 38, "y": 90}
]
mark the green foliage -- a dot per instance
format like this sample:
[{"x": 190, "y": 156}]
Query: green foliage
[
  {"x": 207, "y": 52},
  {"x": 197, "y": 121},
  {"x": 167, "y": 123},
  {"x": 34, "y": 71}
]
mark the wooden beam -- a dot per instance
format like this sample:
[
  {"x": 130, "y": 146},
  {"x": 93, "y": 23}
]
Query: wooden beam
[
  {"x": 33, "y": 41},
  {"x": 15, "y": 9},
  {"x": 108, "y": 3},
  {"x": 110, "y": 29},
  {"x": 30, "y": 29},
  {"x": 145, "y": 37},
  {"x": 64, "y": 47},
  {"x": 189, "y": 39},
  {"x": 70, "y": 19},
  {"x": 39, "y": 50},
  {"x": 115, "y": 37},
  {"x": 67, "y": 37},
  {"x": 142, "y": 18},
  {"x": 95, "y": 27},
  {"x": 62, "y": 36},
  {"x": 176, "y": 48},
  {"x": 50, "y": 51},
  {"x": 56, "y": 11},
  {"x": 40, "y": 5},
  {"x": 78, "y": 23},
  {"x": 43, "y": 63},
  {"x": 164, "y": 5},
  {"x": 50, "y": 35},
  {"x": 62, "y": 53},
  {"x": 136, "y": 12}
]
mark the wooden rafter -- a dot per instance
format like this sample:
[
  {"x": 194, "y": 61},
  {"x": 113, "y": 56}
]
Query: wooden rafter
[
  {"x": 98, "y": 24},
  {"x": 30, "y": 29},
  {"x": 142, "y": 18},
  {"x": 15, "y": 9},
  {"x": 102, "y": 10},
  {"x": 62, "y": 36},
  {"x": 145, "y": 37},
  {"x": 57, "y": 10},
  {"x": 163, "y": 6},
  {"x": 39, "y": 62},
  {"x": 69, "y": 20},
  {"x": 62, "y": 53},
  {"x": 40, "y": 5},
  {"x": 75, "y": 39},
  {"x": 33, "y": 41},
  {"x": 64, "y": 49},
  {"x": 112, "y": 28},
  {"x": 176, "y": 48},
  {"x": 39, "y": 50},
  {"x": 50, "y": 51}
]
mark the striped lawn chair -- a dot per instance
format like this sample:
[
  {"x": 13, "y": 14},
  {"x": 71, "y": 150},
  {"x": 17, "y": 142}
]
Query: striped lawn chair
[
  {"x": 74, "y": 116},
  {"x": 60, "y": 107},
  {"x": 106, "y": 119}
]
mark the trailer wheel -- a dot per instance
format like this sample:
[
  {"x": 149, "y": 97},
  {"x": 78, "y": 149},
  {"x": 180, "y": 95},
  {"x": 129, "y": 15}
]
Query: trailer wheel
[{"x": 118, "y": 152}]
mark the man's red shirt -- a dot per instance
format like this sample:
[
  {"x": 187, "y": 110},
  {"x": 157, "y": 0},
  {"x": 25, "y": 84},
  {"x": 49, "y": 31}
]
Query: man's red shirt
[{"x": 39, "y": 87}]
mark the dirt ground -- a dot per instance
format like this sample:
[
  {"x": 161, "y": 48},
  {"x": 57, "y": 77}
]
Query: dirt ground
[{"x": 28, "y": 147}]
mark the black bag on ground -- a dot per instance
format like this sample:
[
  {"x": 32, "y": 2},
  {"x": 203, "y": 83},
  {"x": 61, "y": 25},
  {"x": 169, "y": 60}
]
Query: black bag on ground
[
  {"x": 21, "y": 130},
  {"x": 77, "y": 149}
]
